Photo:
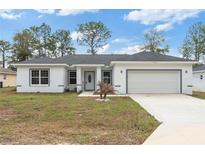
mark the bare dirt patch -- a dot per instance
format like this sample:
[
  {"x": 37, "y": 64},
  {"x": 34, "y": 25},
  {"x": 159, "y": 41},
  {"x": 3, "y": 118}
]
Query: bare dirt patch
[{"x": 7, "y": 114}]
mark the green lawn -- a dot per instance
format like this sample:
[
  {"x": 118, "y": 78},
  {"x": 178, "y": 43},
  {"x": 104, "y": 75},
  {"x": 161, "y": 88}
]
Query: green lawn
[
  {"x": 199, "y": 94},
  {"x": 67, "y": 119}
]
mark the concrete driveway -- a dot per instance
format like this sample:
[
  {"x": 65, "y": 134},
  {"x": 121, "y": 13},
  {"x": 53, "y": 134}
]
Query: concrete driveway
[{"x": 182, "y": 117}]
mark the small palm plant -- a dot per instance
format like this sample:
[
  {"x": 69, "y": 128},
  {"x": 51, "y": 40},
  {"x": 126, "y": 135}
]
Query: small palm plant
[{"x": 104, "y": 89}]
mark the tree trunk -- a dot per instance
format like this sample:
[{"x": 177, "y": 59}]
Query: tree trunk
[
  {"x": 105, "y": 95},
  {"x": 101, "y": 95},
  {"x": 196, "y": 56},
  {"x": 92, "y": 51},
  {"x": 92, "y": 46},
  {"x": 39, "y": 53},
  {"x": 3, "y": 59}
]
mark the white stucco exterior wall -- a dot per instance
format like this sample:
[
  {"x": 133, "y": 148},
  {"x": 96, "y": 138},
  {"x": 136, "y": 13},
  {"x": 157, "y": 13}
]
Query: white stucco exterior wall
[
  {"x": 98, "y": 76},
  {"x": 79, "y": 79},
  {"x": 57, "y": 79},
  {"x": 198, "y": 83},
  {"x": 58, "y": 76},
  {"x": 119, "y": 74}
]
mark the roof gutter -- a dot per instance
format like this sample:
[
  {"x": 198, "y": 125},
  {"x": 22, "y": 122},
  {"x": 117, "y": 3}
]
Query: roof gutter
[
  {"x": 75, "y": 65},
  {"x": 9, "y": 73},
  {"x": 41, "y": 65},
  {"x": 199, "y": 71},
  {"x": 88, "y": 65},
  {"x": 153, "y": 62}
]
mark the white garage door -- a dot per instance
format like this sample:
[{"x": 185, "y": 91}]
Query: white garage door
[{"x": 153, "y": 81}]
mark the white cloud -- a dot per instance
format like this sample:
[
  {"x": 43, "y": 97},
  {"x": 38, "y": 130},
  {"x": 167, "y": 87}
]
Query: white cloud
[
  {"x": 66, "y": 12},
  {"x": 162, "y": 19},
  {"x": 129, "y": 50},
  {"x": 74, "y": 35},
  {"x": 9, "y": 14},
  {"x": 46, "y": 11},
  {"x": 40, "y": 16},
  {"x": 163, "y": 27},
  {"x": 103, "y": 49},
  {"x": 120, "y": 40}
]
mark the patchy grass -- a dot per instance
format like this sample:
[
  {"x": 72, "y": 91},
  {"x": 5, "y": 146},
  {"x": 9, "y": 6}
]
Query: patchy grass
[
  {"x": 199, "y": 94},
  {"x": 66, "y": 119}
]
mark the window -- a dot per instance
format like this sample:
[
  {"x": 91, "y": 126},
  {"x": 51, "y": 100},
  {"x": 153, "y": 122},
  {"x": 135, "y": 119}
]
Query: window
[
  {"x": 35, "y": 77},
  {"x": 39, "y": 77},
  {"x": 89, "y": 78},
  {"x": 106, "y": 78},
  {"x": 72, "y": 77},
  {"x": 201, "y": 77},
  {"x": 44, "y": 76}
]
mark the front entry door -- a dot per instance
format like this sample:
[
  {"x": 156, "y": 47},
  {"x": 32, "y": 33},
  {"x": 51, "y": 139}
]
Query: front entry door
[{"x": 89, "y": 81}]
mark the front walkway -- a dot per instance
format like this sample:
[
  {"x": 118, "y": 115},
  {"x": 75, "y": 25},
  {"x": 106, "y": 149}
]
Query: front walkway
[
  {"x": 91, "y": 94},
  {"x": 182, "y": 117},
  {"x": 87, "y": 94}
]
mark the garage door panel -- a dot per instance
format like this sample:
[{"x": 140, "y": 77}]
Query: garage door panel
[{"x": 153, "y": 82}]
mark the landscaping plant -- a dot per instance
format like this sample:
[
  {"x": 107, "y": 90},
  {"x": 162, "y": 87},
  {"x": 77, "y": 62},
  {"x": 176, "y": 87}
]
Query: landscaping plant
[{"x": 104, "y": 89}]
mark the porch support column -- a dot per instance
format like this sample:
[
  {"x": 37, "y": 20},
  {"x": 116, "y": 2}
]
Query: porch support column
[
  {"x": 79, "y": 80},
  {"x": 98, "y": 76}
]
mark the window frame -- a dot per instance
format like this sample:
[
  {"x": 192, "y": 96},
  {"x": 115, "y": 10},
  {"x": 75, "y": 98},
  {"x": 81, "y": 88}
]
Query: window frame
[
  {"x": 103, "y": 77},
  {"x": 39, "y": 77},
  {"x": 69, "y": 72}
]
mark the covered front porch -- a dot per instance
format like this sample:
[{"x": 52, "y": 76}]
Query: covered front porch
[{"x": 86, "y": 77}]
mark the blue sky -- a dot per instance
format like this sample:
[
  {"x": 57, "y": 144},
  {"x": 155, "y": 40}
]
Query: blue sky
[{"x": 127, "y": 26}]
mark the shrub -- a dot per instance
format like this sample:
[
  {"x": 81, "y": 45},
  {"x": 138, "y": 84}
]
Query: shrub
[{"x": 104, "y": 89}]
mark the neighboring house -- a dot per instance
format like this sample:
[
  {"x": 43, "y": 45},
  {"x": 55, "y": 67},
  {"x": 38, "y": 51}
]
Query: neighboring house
[
  {"x": 7, "y": 77},
  {"x": 144, "y": 72},
  {"x": 199, "y": 78}
]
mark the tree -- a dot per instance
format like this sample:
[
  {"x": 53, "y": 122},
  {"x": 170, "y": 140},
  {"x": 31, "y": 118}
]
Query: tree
[
  {"x": 41, "y": 39},
  {"x": 5, "y": 48},
  {"x": 94, "y": 35},
  {"x": 42, "y": 42},
  {"x": 22, "y": 46},
  {"x": 63, "y": 45},
  {"x": 186, "y": 50},
  {"x": 154, "y": 42},
  {"x": 194, "y": 43}
]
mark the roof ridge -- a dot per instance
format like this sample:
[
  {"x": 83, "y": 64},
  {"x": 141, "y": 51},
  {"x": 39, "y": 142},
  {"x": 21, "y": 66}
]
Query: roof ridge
[
  {"x": 98, "y": 54},
  {"x": 156, "y": 53}
]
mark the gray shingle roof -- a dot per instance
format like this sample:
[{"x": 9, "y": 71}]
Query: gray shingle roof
[
  {"x": 103, "y": 59},
  {"x": 6, "y": 71},
  {"x": 199, "y": 68},
  {"x": 41, "y": 60},
  {"x": 151, "y": 56},
  {"x": 89, "y": 59}
]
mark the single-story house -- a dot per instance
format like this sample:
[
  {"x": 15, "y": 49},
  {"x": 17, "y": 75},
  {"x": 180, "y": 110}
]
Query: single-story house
[
  {"x": 199, "y": 78},
  {"x": 7, "y": 78},
  {"x": 144, "y": 72}
]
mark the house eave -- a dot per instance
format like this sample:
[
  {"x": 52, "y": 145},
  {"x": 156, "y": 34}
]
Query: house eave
[
  {"x": 87, "y": 65},
  {"x": 199, "y": 71},
  {"x": 7, "y": 73},
  {"x": 65, "y": 65},
  {"x": 153, "y": 62}
]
